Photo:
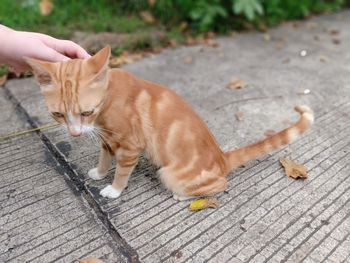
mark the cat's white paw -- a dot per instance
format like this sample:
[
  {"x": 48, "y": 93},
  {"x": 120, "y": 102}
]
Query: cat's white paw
[
  {"x": 95, "y": 175},
  {"x": 110, "y": 192},
  {"x": 181, "y": 198}
]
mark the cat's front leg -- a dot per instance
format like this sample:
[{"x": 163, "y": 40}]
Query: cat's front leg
[
  {"x": 104, "y": 163},
  {"x": 126, "y": 162}
]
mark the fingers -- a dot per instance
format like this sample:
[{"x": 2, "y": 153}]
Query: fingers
[
  {"x": 52, "y": 55},
  {"x": 70, "y": 49}
]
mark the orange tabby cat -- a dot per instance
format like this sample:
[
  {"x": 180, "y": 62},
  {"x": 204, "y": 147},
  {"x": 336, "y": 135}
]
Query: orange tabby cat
[{"x": 132, "y": 116}]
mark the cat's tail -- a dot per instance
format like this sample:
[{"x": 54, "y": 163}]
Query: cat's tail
[{"x": 242, "y": 155}]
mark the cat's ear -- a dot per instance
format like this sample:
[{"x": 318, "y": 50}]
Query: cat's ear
[
  {"x": 41, "y": 70},
  {"x": 99, "y": 62}
]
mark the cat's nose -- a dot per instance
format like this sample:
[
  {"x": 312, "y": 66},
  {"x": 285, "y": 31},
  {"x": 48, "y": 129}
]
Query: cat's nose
[{"x": 74, "y": 131}]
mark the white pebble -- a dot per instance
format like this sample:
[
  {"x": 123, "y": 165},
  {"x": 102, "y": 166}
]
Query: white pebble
[{"x": 303, "y": 53}]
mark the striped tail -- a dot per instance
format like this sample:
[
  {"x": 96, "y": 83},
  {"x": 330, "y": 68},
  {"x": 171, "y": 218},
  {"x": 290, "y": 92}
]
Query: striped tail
[{"x": 240, "y": 156}]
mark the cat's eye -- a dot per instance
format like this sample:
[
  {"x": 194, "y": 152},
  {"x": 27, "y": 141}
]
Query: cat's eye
[
  {"x": 87, "y": 113},
  {"x": 57, "y": 114}
]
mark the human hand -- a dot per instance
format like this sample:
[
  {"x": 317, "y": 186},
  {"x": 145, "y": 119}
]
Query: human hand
[{"x": 17, "y": 44}]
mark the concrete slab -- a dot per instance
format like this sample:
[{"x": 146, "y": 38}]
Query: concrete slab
[
  {"x": 264, "y": 216},
  {"x": 42, "y": 218}
]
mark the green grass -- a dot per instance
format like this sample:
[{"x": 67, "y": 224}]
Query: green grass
[
  {"x": 201, "y": 16},
  {"x": 69, "y": 16}
]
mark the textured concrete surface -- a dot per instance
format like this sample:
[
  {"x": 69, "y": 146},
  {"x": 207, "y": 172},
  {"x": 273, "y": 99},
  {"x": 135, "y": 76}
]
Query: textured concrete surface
[
  {"x": 43, "y": 216},
  {"x": 264, "y": 216}
]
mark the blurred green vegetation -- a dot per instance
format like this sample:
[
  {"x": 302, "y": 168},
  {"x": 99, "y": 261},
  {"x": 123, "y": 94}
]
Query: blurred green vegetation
[
  {"x": 172, "y": 16},
  {"x": 69, "y": 16},
  {"x": 226, "y": 15}
]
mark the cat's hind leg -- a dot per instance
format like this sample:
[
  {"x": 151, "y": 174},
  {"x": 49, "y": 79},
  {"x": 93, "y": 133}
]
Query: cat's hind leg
[
  {"x": 104, "y": 163},
  {"x": 192, "y": 184}
]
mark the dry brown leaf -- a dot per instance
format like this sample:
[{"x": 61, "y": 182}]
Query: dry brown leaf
[
  {"x": 236, "y": 83},
  {"x": 183, "y": 26},
  {"x": 293, "y": 169},
  {"x": 176, "y": 254},
  {"x": 270, "y": 133},
  {"x": 324, "y": 59},
  {"x": 211, "y": 42},
  {"x": 3, "y": 80},
  {"x": 125, "y": 58},
  {"x": 173, "y": 43},
  {"x": 295, "y": 24},
  {"x": 286, "y": 61},
  {"x": 336, "y": 41},
  {"x": 90, "y": 260},
  {"x": 147, "y": 17},
  {"x": 263, "y": 27},
  {"x": 316, "y": 38},
  {"x": 233, "y": 33},
  {"x": 190, "y": 41},
  {"x": 211, "y": 34},
  {"x": 46, "y": 7},
  {"x": 312, "y": 25},
  {"x": 151, "y": 3},
  {"x": 334, "y": 32},
  {"x": 239, "y": 116},
  {"x": 188, "y": 60},
  {"x": 281, "y": 44}
]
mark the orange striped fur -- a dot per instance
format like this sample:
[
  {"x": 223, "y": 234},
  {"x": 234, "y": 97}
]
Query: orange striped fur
[{"x": 132, "y": 116}]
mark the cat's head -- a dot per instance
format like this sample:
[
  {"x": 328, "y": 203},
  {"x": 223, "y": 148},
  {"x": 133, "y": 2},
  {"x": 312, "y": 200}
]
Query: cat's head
[{"x": 75, "y": 90}]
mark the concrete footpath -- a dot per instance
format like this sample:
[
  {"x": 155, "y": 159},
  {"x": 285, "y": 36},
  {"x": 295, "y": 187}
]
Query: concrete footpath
[{"x": 51, "y": 212}]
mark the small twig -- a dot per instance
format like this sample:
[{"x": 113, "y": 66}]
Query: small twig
[
  {"x": 249, "y": 99},
  {"x": 19, "y": 133}
]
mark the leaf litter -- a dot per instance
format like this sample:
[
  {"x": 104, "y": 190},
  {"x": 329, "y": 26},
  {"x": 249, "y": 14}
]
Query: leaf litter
[
  {"x": 203, "y": 203},
  {"x": 3, "y": 80},
  {"x": 293, "y": 169},
  {"x": 239, "y": 116},
  {"x": 236, "y": 83}
]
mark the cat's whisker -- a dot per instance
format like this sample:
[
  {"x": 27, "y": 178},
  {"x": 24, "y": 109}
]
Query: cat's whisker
[
  {"x": 95, "y": 137},
  {"x": 100, "y": 135},
  {"x": 91, "y": 137},
  {"x": 107, "y": 130}
]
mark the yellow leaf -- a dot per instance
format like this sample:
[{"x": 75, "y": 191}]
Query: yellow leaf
[
  {"x": 293, "y": 169},
  {"x": 236, "y": 83},
  {"x": 200, "y": 204},
  {"x": 46, "y": 7}
]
